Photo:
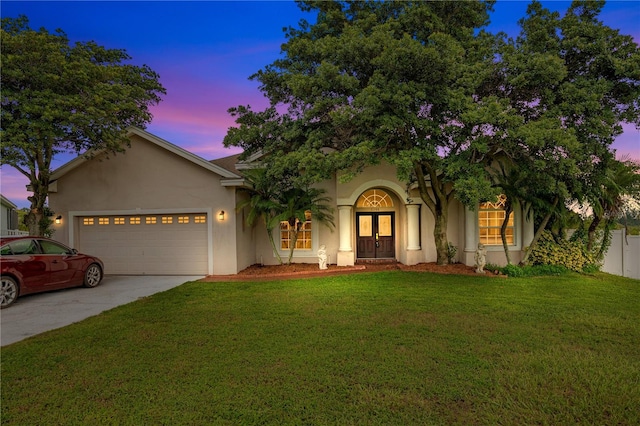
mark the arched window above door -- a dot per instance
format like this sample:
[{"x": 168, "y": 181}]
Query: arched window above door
[{"x": 374, "y": 198}]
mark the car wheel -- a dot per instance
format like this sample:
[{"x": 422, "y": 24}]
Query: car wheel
[
  {"x": 93, "y": 275},
  {"x": 8, "y": 291}
]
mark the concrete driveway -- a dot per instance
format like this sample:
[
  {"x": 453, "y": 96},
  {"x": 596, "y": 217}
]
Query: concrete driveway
[{"x": 34, "y": 314}]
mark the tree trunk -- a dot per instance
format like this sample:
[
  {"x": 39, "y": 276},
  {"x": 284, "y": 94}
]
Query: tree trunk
[
  {"x": 35, "y": 219},
  {"x": 540, "y": 230},
  {"x": 273, "y": 245},
  {"x": 591, "y": 233},
  {"x": 441, "y": 240},
  {"x": 439, "y": 207},
  {"x": 293, "y": 239},
  {"x": 606, "y": 239},
  {"x": 508, "y": 209}
]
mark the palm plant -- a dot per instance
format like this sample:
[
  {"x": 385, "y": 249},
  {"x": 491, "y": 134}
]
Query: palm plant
[
  {"x": 263, "y": 202},
  {"x": 622, "y": 179},
  {"x": 277, "y": 201},
  {"x": 298, "y": 203}
]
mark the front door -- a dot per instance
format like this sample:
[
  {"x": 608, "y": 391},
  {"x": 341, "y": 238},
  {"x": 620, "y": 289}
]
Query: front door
[{"x": 375, "y": 238}]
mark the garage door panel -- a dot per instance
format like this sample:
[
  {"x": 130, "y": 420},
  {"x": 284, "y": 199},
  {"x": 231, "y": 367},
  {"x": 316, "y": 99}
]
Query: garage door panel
[{"x": 135, "y": 245}]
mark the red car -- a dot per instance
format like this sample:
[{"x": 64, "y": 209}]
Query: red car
[{"x": 35, "y": 264}]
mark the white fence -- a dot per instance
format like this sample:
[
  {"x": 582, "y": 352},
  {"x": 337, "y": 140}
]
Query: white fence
[
  {"x": 623, "y": 257},
  {"x": 13, "y": 232}
]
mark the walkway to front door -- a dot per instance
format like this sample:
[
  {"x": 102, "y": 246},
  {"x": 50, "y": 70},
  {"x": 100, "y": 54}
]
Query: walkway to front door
[{"x": 375, "y": 236}]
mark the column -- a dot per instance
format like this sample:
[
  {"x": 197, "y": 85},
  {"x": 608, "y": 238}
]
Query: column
[
  {"x": 413, "y": 227},
  {"x": 344, "y": 217},
  {"x": 470, "y": 229},
  {"x": 346, "y": 257}
]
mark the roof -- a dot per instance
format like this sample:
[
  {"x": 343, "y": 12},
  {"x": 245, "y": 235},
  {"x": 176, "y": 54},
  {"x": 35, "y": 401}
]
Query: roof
[
  {"x": 228, "y": 163},
  {"x": 7, "y": 202},
  {"x": 199, "y": 161}
]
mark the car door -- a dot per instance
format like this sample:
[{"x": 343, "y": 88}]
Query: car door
[
  {"x": 23, "y": 257},
  {"x": 65, "y": 267}
]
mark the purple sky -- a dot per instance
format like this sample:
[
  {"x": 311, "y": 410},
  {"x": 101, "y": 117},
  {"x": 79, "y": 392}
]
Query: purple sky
[{"x": 205, "y": 51}]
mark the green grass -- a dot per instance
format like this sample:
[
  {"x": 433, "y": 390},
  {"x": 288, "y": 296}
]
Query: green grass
[{"x": 377, "y": 348}]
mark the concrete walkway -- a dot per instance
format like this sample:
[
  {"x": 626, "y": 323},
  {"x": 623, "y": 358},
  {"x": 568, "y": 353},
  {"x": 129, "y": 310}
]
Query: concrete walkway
[{"x": 34, "y": 314}]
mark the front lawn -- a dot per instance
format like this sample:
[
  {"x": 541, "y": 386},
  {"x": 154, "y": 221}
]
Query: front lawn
[{"x": 371, "y": 348}]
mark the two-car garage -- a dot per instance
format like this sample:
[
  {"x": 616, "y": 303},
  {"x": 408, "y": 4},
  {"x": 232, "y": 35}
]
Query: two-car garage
[{"x": 147, "y": 244}]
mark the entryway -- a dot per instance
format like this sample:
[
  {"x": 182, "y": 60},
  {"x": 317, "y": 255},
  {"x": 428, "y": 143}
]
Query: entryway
[{"x": 375, "y": 235}]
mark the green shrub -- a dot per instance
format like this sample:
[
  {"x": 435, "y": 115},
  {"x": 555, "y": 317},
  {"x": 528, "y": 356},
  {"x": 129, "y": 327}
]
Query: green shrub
[
  {"x": 512, "y": 271},
  {"x": 533, "y": 271},
  {"x": 451, "y": 252},
  {"x": 569, "y": 254}
]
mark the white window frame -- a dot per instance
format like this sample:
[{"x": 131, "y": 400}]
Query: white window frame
[
  {"x": 517, "y": 231},
  {"x": 299, "y": 252}
]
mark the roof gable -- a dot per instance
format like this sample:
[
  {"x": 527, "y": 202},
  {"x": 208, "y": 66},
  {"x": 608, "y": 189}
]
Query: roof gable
[{"x": 199, "y": 161}]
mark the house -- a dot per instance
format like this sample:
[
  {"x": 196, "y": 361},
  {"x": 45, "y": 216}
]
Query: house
[
  {"x": 159, "y": 209},
  {"x": 9, "y": 218}
]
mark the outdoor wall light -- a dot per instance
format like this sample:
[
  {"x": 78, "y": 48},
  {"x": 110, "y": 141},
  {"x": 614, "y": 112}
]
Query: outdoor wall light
[
  {"x": 58, "y": 220},
  {"x": 221, "y": 215}
]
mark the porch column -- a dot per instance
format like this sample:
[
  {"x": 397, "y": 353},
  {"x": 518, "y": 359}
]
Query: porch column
[
  {"x": 413, "y": 227},
  {"x": 346, "y": 256},
  {"x": 470, "y": 245}
]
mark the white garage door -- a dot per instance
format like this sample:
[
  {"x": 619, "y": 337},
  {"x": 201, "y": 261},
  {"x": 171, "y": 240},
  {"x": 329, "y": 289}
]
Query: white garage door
[{"x": 165, "y": 244}]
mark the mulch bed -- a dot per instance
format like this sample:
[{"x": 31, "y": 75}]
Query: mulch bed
[{"x": 297, "y": 270}]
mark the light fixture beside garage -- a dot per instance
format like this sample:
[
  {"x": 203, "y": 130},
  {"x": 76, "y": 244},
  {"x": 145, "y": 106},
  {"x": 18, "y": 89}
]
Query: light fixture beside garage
[
  {"x": 221, "y": 215},
  {"x": 58, "y": 220}
]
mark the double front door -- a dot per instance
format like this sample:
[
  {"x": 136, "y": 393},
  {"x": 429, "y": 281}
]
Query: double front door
[{"x": 375, "y": 237}]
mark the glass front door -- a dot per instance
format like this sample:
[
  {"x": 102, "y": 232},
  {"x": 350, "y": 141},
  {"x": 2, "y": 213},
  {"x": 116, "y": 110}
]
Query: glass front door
[{"x": 375, "y": 237}]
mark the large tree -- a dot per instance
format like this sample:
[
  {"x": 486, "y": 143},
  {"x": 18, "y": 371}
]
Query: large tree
[
  {"x": 554, "y": 105},
  {"x": 58, "y": 97},
  {"x": 372, "y": 81}
]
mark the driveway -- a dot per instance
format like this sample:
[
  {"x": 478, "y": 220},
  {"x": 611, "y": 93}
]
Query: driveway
[{"x": 34, "y": 314}]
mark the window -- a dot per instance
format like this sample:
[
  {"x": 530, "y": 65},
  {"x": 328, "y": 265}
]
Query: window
[
  {"x": 103, "y": 221},
  {"x": 304, "y": 234},
  {"x": 167, "y": 220},
  {"x": 88, "y": 221},
  {"x": 374, "y": 198},
  {"x": 20, "y": 247},
  {"x": 49, "y": 247},
  {"x": 183, "y": 219},
  {"x": 200, "y": 219},
  {"x": 490, "y": 218},
  {"x": 134, "y": 221},
  {"x": 150, "y": 220},
  {"x": 118, "y": 220}
]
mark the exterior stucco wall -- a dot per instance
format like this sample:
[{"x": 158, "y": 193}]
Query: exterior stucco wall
[
  {"x": 245, "y": 237},
  {"x": 147, "y": 178}
]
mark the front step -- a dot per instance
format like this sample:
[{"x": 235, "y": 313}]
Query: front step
[{"x": 388, "y": 261}]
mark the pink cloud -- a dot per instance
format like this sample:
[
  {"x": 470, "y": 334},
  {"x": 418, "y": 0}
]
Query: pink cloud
[
  {"x": 14, "y": 186},
  {"x": 628, "y": 144}
]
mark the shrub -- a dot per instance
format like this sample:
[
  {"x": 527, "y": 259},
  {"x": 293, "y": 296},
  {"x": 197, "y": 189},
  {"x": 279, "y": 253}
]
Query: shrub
[
  {"x": 533, "y": 271},
  {"x": 451, "y": 252},
  {"x": 569, "y": 254}
]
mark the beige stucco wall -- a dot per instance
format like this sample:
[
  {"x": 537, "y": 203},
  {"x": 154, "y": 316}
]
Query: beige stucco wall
[{"x": 148, "y": 178}]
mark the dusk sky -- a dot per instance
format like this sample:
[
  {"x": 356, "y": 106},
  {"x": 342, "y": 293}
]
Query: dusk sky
[{"x": 204, "y": 52}]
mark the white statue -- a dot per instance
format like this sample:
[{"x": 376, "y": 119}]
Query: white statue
[
  {"x": 322, "y": 257},
  {"x": 481, "y": 258}
]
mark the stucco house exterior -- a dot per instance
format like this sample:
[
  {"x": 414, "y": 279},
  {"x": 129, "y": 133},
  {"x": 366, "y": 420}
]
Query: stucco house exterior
[{"x": 159, "y": 209}]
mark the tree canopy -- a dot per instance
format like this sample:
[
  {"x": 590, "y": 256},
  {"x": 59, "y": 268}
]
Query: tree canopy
[
  {"x": 460, "y": 112},
  {"x": 58, "y": 97},
  {"x": 372, "y": 81}
]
